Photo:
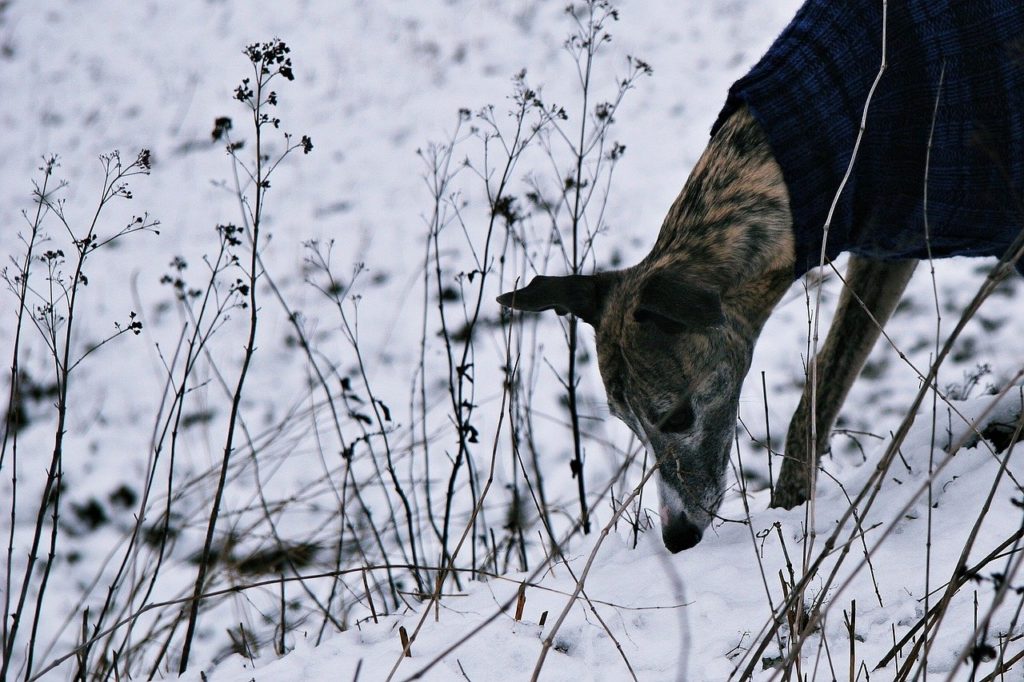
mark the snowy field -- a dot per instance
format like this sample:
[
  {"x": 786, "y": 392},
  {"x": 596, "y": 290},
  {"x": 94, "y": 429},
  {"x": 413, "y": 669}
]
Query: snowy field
[{"x": 392, "y": 421}]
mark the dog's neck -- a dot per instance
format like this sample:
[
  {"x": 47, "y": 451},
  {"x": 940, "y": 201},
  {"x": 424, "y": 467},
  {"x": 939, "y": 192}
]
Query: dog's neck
[{"x": 731, "y": 227}]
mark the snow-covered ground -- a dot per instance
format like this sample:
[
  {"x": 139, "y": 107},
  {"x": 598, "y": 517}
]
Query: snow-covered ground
[
  {"x": 693, "y": 616},
  {"x": 377, "y": 81}
]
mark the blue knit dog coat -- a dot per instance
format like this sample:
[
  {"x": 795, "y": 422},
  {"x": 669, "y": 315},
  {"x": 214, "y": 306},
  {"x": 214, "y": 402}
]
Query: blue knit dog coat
[{"x": 808, "y": 95}]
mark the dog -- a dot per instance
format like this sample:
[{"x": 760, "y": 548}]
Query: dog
[{"x": 822, "y": 148}]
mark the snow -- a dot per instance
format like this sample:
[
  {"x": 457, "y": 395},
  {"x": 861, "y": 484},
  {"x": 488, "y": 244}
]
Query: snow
[
  {"x": 683, "y": 617},
  {"x": 376, "y": 82}
]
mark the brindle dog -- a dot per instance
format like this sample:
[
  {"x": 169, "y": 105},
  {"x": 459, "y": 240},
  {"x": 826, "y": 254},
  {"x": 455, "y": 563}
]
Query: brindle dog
[
  {"x": 675, "y": 333},
  {"x": 938, "y": 171}
]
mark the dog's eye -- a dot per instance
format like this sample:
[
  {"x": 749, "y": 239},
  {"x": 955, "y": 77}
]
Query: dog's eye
[
  {"x": 665, "y": 324},
  {"x": 679, "y": 420}
]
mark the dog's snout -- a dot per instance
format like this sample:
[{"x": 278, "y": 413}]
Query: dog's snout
[{"x": 679, "y": 534}]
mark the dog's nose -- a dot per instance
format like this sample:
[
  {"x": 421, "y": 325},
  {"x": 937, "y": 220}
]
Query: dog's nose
[{"x": 680, "y": 534}]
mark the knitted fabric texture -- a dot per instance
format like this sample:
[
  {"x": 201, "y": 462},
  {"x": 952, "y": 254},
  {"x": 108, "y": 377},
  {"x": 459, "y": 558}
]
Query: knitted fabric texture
[{"x": 959, "y": 61}]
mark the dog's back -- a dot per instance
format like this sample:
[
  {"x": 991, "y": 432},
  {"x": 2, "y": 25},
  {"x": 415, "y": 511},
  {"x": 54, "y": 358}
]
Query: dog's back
[{"x": 959, "y": 63}]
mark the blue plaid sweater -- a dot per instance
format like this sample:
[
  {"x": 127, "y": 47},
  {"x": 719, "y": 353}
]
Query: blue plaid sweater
[{"x": 808, "y": 94}]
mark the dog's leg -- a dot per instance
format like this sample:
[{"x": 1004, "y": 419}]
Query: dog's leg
[{"x": 878, "y": 285}]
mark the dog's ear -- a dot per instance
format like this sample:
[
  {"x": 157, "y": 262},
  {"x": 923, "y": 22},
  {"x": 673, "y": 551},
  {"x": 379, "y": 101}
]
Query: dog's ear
[
  {"x": 676, "y": 304},
  {"x": 582, "y": 295}
]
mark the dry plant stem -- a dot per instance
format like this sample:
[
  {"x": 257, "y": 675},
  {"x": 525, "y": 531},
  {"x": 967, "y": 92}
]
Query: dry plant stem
[
  {"x": 820, "y": 608},
  {"x": 356, "y": 492},
  {"x": 113, "y": 186},
  {"x": 195, "y": 347},
  {"x": 268, "y": 515},
  {"x": 250, "y": 347},
  {"x": 512, "y": 381},
  {"x": 158, "y": 438},
  {"x": 997, "y": 274},
  {"x": 767, "y": 430},
  {"x": 1005, "y": 640},
  {"x": 361, "y": 570},
  {"x": 817, "y": 610},
  {"x": 366, "y": 437},
  {"x": 638, "y": 509},
  {"x": 294, "y": 318},
  {"x": 590, "y": 603},
  {"x": 435, "y": 230},
  {"x": 607, "y": 630},
  {"x": 858, "y": 525},
  {"x": 812, "y": 462},
  {"x": 46, "y": 570},
  {"x": 395, "y": 480},
  {"x": 851, "y": 628},
  {"x": 938, "y": 336},
  {"x": 282, "y": 649},
  {"x": 937, "y": 393},
  {"x": 10, "y": 428},
  {"x": 321, "y": 260},
  {"x": 437, "y": 195},
  {"x": 438, "y": 178},
  {"x": 80, "y": 676},
  {"x": 520, "y": 424},
  {"x": 741, "y": 478},
  {"x": 943, "y": 605},
  {"x": 1001, "y": 665},
  {"x": 194, "y": 344},
  {"x": 459, "y": 372},
  {"x": 536, "y": 493},
  {"x": 74, "y": 611},
  {"x": 977, "y": 635},
  {"x": 572, "y": 382},
  {"x": 449, "y": 563},
  {"x": 542, "y": 567},
  {"x": 523, "y": 399},
  {"x": 828, "y": 652},
  {"x": 623, "y": 506},
  {"x": 962, "y": 579},
  {"x": 578, "y": 190},
  {"x": 235, "y": 589}
]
